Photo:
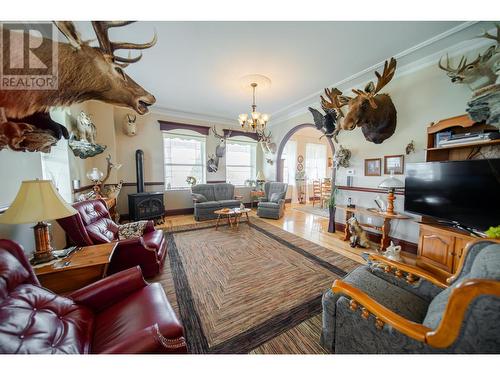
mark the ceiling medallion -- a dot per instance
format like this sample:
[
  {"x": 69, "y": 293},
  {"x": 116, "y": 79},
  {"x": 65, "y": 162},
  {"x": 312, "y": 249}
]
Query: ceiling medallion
[{"x": 255, "y": 122}]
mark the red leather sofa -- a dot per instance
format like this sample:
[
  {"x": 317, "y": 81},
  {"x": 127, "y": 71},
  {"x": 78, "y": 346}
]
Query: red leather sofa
[
  {"x": 93, "y": 225},
  {"x": 119, "y": 314}
]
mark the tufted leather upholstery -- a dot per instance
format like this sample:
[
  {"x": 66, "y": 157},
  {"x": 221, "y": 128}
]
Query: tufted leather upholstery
[
  {"x": 119, "y": 314},
  {"x": 93, "y": 225}
]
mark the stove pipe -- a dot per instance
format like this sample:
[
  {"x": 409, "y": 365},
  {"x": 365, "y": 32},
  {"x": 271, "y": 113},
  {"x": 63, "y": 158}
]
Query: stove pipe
[{"x": 139, "y": 170}]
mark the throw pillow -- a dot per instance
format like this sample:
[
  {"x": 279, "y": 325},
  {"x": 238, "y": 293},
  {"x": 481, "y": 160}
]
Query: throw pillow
[
  {"x": 131, "y": 230},
  {"x": 275, "y": 197},
  {"x": 200, "y": 198}
]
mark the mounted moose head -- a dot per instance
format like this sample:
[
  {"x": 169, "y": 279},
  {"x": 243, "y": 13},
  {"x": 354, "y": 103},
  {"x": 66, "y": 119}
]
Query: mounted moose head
[
  {"x": 129, "y": 125},
  {"x": 373, "y": 112},
  {"x": 268, "y": 147},
  {"x": 220, "y": 150},
  {"x": 481, "y": 72},
  {"x": 84, "y": 73}
]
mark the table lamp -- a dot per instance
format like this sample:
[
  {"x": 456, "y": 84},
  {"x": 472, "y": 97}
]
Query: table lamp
[
  {"x": 260, "y": 179},
  {"x": 38, "y": 201},
  {"x": 391, "y": 184}
]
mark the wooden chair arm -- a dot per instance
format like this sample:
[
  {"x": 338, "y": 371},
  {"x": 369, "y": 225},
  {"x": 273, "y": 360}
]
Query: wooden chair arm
[
  {"x": 451, "y": 322},
  {"x": 460, "y": 299},
  {"x": 382, "y": 313},
  {"x": 411, "y": 270}
]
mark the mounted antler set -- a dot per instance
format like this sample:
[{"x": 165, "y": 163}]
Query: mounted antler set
[
  {"x": 481, "y": 72},
  {"x": 369, "y": 109}
]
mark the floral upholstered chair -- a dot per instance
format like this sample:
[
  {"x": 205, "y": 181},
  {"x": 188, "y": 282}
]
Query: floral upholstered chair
[{"x": 392, "y": 307}]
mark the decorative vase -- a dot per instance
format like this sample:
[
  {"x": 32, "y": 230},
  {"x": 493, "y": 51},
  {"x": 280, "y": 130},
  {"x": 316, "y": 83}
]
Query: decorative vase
[{"x": 331, "y": 221}]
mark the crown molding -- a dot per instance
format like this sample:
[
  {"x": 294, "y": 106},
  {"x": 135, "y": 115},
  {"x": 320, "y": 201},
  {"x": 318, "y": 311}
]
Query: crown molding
[
  {"x": 192, "y": 116},
  {"x": 408, "y": 66}
]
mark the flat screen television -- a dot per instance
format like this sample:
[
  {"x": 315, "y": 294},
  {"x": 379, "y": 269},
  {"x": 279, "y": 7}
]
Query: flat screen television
[{"x": 462, "y": 193}]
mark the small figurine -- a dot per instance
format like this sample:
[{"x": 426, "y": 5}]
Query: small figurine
[{"x": 393, "y": 252}]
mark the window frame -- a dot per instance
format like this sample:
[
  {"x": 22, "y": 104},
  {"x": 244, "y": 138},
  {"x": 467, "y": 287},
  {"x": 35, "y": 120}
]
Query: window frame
[
  {"x": 253, "y": 161},
  {"x": 187, "y": 135}
]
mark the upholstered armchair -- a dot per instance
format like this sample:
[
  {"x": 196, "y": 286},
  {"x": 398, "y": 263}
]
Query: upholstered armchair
[
  {"x": 272, "y": 204},
  {"x": 92, "y": 225},
  {"x": 392, "y": 307},
  {"x": 121, "y": 314}
]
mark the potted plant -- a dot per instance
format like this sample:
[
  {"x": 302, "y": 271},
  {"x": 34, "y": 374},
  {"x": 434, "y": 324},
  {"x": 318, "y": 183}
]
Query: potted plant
[
  {"x": 493, "y": 232},
  {"x": 331, "y": 209}
]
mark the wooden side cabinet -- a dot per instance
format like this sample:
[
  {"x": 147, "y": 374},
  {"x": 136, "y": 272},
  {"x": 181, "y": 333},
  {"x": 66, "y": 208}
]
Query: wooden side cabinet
[{"x": 440, "y": 248}]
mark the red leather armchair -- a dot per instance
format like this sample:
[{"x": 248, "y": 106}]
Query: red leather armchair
[
  {"x": 93, "y": 225},
  {"x": 119, "y": 314}
]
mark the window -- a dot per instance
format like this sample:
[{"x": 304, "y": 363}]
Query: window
[
  {"x": 184, "y": 156},
  {"x": 55, "y": 167},
  {"x": 289, "y": 157},
  {"x": 240, "y": 161},
  {"x": 315, "y": 161}
]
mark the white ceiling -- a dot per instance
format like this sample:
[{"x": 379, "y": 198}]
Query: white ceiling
[{"x": 195, "y": 66}]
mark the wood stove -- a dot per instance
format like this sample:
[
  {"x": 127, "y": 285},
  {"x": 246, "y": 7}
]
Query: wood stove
[{"x": 144, "y": 205}]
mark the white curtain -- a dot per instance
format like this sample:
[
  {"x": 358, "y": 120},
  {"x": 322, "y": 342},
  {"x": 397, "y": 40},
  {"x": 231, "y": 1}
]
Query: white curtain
[{"x": 315, "y": 161}]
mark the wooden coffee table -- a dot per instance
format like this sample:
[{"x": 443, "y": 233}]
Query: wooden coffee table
[
  {"x": 233, "y": 213},
  {"x": 81, "y": 268}
]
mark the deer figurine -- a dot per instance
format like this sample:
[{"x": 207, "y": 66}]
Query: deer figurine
[
  {"x": 84, "y": 73},
  {"x": 372, "y": 111},
  {"x": 130, "y": 126},
  {"x": 480, "y": 73}
]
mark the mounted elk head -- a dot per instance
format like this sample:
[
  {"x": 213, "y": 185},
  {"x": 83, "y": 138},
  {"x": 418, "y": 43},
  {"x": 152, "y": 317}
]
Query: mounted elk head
[
  {"x": 481, "y": 72},
  {"x": 84, "y": 73},
  {"x": 373, "y": 112},
  {"x": 220, "y": 150},
  {"x": 129, "y": 125},
  {"x": 266, "y": 142}
]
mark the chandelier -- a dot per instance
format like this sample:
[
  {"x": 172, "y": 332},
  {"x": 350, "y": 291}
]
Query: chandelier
[{"x": 256, "y": 121}]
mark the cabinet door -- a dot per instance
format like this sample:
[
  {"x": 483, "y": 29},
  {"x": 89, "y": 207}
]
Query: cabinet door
[
  {"x": 436, "y": 249},
  {"x": 460, "y": 244}
]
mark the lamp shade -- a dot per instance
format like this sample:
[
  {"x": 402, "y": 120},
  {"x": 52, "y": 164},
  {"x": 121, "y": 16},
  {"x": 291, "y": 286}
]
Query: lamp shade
[
  {"x": 260, "y": 176},
  {"x": 391, "y": 183},
  {"x": 36, "y": 201}
]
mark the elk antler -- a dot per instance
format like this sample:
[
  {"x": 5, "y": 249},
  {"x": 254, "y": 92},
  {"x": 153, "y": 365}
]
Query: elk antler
[
  {"x": 449, "y": 69},
  {"x": 486, "y": 35},
  {"x": 101, "y": 30},
  {"x": 217, "y": 135},
  {"x": 336, "y": 101}
]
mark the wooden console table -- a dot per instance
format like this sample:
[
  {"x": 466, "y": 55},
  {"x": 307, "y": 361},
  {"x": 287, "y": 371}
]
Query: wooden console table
[
  {"x": 385, "y": 228},
  {"x": 82, "y": 267}
]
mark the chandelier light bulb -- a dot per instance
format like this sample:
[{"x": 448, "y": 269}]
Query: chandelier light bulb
[
  {"x": 255, "y": 115},
  {"x": 265, "y": 117}
]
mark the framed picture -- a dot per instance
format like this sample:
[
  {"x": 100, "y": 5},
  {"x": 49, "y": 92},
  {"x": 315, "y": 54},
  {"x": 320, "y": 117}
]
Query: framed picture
[
  {"x": 373, "y": 167},
  {"x": 300, "y": 159},
  {"x": 395, "y": 163}
]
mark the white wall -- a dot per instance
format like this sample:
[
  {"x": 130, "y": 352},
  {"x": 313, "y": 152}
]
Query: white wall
[{"x": 420, "y": 97}]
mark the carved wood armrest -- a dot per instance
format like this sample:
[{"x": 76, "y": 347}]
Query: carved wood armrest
[
  {"x": 382, "y": 313},
  {"x": 411, "y": 271},
  {"x": 451, "y": 322}
]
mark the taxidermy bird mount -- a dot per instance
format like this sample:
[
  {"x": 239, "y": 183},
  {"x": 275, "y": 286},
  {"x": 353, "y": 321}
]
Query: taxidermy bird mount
[
  {"x": 326, "y": 123},
  {"x": 373, "y": 112}
]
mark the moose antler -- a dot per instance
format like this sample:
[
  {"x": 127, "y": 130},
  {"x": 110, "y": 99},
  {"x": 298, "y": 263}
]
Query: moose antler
[
  {"x": 336, "y": 101},
  {"x": 387, "y": 74},
  {"x": 101, "y": 30}
]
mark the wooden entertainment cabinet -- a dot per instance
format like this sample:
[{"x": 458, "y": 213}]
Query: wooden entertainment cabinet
[{"x": 440, "y": 248}]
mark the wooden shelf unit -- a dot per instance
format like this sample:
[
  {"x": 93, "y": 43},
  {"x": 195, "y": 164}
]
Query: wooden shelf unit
[{"x": 458, "y": 124}]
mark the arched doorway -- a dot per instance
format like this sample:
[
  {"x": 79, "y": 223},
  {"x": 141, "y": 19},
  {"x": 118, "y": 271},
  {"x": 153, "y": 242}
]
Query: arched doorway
[{"x": 286, "y": 138}]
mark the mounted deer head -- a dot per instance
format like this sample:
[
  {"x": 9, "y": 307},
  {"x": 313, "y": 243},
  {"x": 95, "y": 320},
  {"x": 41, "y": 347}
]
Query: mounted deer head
[
  {"x": 266, "y": 143},
  {"x": 220, "y": 150},
  {"x": 481, "y": 72},
  {"x": 129, "y": 125},
  {"x": 373, "y": 112},
  {"x": 84, "y": 73}
]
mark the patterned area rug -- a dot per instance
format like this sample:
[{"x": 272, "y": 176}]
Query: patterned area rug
[
  {"x": 237, "y": 289},
  {"x": 318, "y": 211}
]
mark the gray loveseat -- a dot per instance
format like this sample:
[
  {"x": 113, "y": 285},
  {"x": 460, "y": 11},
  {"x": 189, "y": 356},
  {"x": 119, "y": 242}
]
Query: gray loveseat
[
  {"x": 426, "y": 308},
  {"x": 210, "y": 197},
  {"x": 272, "y": 205}
]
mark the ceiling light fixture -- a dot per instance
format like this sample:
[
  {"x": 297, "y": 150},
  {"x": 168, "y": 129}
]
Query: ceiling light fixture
[{"x": 256, "y": 121}]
